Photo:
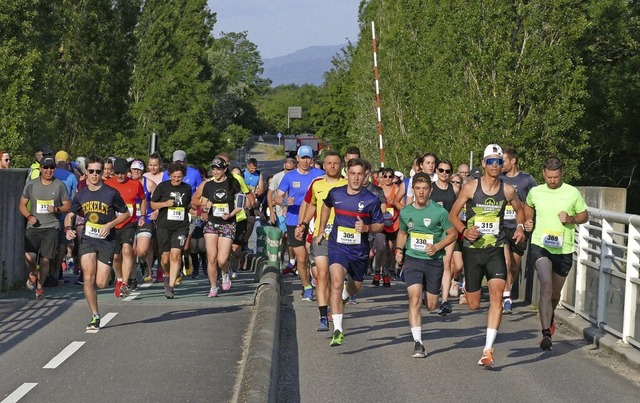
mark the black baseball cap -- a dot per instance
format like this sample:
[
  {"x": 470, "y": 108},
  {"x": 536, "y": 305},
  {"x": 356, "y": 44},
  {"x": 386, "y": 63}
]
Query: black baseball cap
[
  {"x": 120, "y": 166},
  {"x": 421, "y": 177},
  {"x": 44, "y": 149},
  {"x": 47, "y": 162}
]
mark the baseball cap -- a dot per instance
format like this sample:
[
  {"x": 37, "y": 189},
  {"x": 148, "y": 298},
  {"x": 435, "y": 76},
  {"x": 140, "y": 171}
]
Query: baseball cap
[
  {"x": 492, "y": 149},
  {"x": 120, "y": 166},
  {"x": 179, "y": 155},
  {"x": 47, "y": 162},
  {"x": 62, "y": 156},
  {"x": 81, "y": 164},
  {"x": 218, "y": 163},
  {"x": 137, "y": 164},
  {"x": 399, "y": 175},
  {"x": 44, "y": 149},
  {"x": 421, "y": 177},
  {"x": 305, "y": 151}
]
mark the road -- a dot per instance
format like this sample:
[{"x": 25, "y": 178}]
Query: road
[
  {"x": 153, "y": 349},
  {"x": 375, "y": 363}
]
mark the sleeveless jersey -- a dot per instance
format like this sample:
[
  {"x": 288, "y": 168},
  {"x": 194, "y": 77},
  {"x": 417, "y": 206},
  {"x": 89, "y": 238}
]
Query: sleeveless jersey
[{"x": 486, "y": 212}]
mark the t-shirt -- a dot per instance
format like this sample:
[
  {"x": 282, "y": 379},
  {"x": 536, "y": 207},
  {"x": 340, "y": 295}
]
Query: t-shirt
[
  {"x": 192, "y": 178},
  {"x": 174, "y": 217},
  {"x": 295, "y": 184},
  {"x": 424, "y": 226},
  {"x": 222, "y": 198},
  {"x": 348, "y": 208},
  {"x": 40, "y": 196},
  {"x": 98, "y": 207},
  {"x": 522, "y": 183},
  {"x": 132, "y": 193},
  {"x": 251, "y": 179},
  {"x": 68, "y": 178},
  {"x": 549, "y": 232},
  {"x": 273, "y": 186},
  {"x": 377, "y": 190},
  {"x": 316, "y": 194}
]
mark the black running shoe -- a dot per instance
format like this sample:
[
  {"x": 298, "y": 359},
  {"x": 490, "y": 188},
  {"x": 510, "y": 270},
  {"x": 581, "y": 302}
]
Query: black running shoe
[
  {"x": 94, "y": 324},
  {"x": 418, "y": 350}
]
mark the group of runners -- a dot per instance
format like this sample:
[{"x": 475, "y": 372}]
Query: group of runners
[
  {"x": 116, "y": 217},
  {"x": 444, "y": 232}
]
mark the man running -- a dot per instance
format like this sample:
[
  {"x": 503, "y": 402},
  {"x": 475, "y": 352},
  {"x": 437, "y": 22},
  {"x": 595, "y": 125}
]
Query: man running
[
  {"x": 522, "y": 183},
  {"x": 132, "y": 193},
  {"x": 98, "y": 203},
  {"x": 357, "y": 212},
  {"x": 315, "y": 196},
  {"x": 43, "y": 199},
  {"x": 295, "y": 184},
  {"x": 485, "y": 200},
  {"x": 557, "y": 207},
  {"x": 425, "y": 225}
]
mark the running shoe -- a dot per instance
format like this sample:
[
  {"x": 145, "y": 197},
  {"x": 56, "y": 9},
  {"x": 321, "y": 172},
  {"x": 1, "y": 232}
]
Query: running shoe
[
  {"x": 546, "y": 344},
  {"x": 487, "y": 358},
  {"x": 506, "y": 306},
  {"x": 124, "y": 290},
  {"x": 148, "y": 279},
  {"x": 117, "y": 290},
  {"x": 31, "y": 281},
  {"x": 94, "y": 324},
  {"x": 445, "y": 308},
  {"x": 386, "y": 281},
  {"x": 79, "y": 281},
  {"x": 323, "y": 326},
  {"x": 337, "y": 339},
  {"x": 463, "y": 299},
  {"x": 187, "y": 269},
  {"x": 194, "y": 276},
  {"x": 233, "y": 274},
  {"x": 144, "y": 268},
  {"x": 418, "y": 350},
  {"x": 39, "y": 293},
  {"x": 289, "y": 269},
  {"x": 307, "y": 295},
  {"x": 226, "y": 281},
  {"x": 352, "y": 300},
  {"x": 453, "y": 291},
  {"x": 168, "y": 293},
  {"x": 376, "y": 280},
  {"x": 213, "y": 292},
  {"x": 179, "y": 278},
  {"x": 133, "y": 284}
]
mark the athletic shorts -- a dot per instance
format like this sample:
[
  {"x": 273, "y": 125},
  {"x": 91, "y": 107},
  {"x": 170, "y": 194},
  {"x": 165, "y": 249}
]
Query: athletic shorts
[
  {"x": 291, "y": 237},
  {"x": 479, "y": 263},
  {"x": 282, "y": 223},
  {"x": 222, "y": 230},
  {"x": 198, "y": 232},
  {"x": 561, "y": 264},
  {"x": 390, "y": 236},
  {"x": 241, "y": 230},
  {"x": 426, "y": 272},
  {"x": 42, "y": 240},
  {"x": 104, "y": 255},
  {"x": 355, "y": 261},
  {"x": 321, "y": 250},
  {"x": 146, "y": 230},
  {"x": 514, "y": 247},
  {"x": 126, "y": 235},
  {"x": 171, "y": 238}
]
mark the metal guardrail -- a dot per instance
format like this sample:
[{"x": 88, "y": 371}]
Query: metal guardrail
[{"x": 604, "y": 287}]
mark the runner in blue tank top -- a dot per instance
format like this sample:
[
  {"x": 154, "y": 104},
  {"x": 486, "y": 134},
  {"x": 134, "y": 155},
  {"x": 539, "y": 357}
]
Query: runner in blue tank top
[{"x": 357, "y": 212}]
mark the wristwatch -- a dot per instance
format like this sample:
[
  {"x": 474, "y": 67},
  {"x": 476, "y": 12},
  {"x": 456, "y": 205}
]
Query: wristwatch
[{"x": 521, "y": 226}]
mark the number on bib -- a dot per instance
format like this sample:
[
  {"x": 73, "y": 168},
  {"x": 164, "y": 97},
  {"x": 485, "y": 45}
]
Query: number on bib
[
  {"x": 41, "y": 206},
  {"x": 175, "y": 214},
  {"x": 509, "y": 213},
  {"x": 348, "y": 236},
  {"x": 93, "y": 230},
  {"x": 419, "y": 242},
  {"x": 552, "y": 239},
  {"x": 488, "y": 225},
  {"x": 219, "y": 209}
]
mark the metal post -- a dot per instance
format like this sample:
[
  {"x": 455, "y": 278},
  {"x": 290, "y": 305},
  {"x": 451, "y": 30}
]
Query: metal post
[
  {"x": 581, "y": 269},
  {"x": 631, "y": 289},
  {"x": 605, "y": 268}
]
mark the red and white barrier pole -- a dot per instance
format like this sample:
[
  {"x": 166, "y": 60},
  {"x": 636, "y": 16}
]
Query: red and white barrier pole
[{"x": 375, "y": 72}]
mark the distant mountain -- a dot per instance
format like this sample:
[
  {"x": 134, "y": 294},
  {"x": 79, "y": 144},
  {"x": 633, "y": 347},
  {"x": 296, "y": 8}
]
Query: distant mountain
[{"x": 304, "y": 66}]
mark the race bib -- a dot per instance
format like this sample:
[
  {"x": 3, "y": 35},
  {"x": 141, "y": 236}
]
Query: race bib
[
  {"x": 175, "y": 214},
  {"x": 327, "y": 229},
  {"x": 41, "y": 206},
  {"x": 389, "y": 213},
  {"x": 463, "y": 215},
  {"x": 552, "y": 239},
  {"x": 488, "y": 225},
  {"x": 130, "y": 208},
  {"x": 220, "y": 209},
  {"x": 509, "y": 213},
  {"x": 93, "y": 230},
  {"x": 419, "y": 242},
  {"x": 348, "y": 236}
]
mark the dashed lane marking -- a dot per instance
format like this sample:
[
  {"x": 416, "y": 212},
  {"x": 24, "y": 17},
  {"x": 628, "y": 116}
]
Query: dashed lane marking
[
  {"x": 131, "y": 296},
  {"x": 64, "y": 354},
  {"x": 19, "y": 393}
]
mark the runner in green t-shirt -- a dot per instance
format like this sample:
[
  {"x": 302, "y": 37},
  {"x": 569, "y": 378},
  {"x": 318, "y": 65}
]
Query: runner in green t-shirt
[
  {"x": 425, "y": 231},
  {"x": 557, "y": 207}
]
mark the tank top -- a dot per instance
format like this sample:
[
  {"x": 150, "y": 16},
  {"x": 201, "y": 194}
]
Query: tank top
[
  {"x": 391, "y": 223},
  {"x": 486, "y": 212},
  {"x": 444, "y": 197}
]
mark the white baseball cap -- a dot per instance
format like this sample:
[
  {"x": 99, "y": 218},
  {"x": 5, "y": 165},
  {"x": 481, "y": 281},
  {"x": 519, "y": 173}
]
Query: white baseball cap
[{"x": 492, "y": 149}]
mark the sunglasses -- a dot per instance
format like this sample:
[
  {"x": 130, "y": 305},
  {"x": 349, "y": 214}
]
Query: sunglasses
[
  {"x": 95, "y": 171},
  {"x": 387, "y": 176},
  {"x": 444, "y": 171},
  {"x": 49, "y": 167},
  {"x": 491, "y": 161},
  {"x": 456, "y": 182}
]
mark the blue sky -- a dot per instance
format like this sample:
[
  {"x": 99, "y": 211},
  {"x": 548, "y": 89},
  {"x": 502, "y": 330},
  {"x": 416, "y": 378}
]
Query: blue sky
[{"x": 280, "y": 27}]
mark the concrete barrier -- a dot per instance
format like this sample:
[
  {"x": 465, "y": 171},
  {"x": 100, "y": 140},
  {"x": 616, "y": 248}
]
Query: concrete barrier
[
  {"x": 258, "y": 377},
  {"x": 12, "y": 227}
]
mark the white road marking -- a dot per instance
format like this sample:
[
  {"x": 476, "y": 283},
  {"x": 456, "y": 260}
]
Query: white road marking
[
  {"x": 64, "y": 354},
  {"x": 103, "y": 321},
  {"x": 19, "y": 393},
  {"x": 145, "y": 285},
  {"x": 131, "y": 296}
]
